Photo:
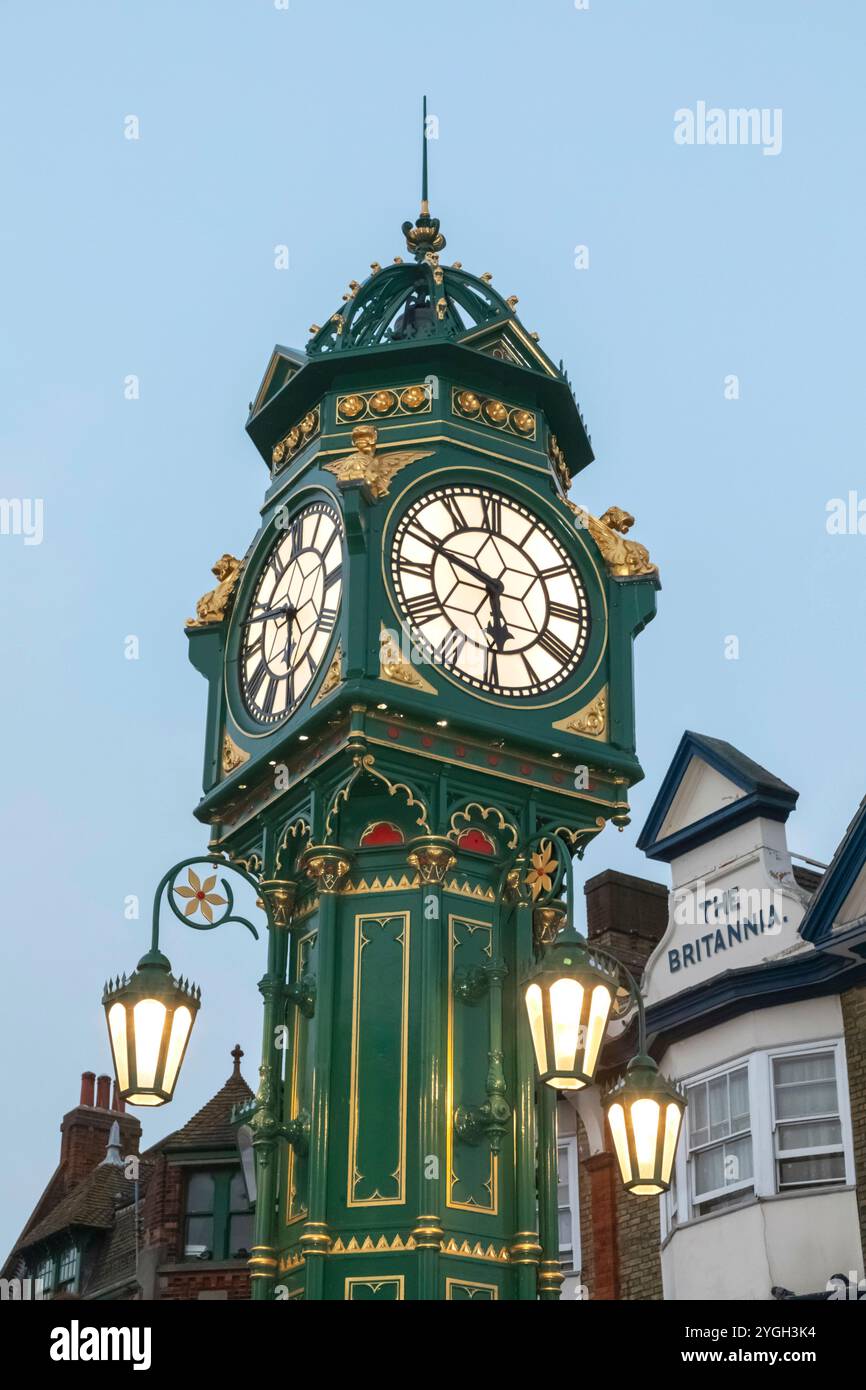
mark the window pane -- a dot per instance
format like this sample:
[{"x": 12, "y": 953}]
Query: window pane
[
  {"x": 813, "y": 1134},
  {"x": 739, "y": 1100},
  {"x": 240, "y": 1234},
  {"x": 823, "y": 1169},
  {"x": 718, "y": 1099},
  {"x": 199, "y": 1192},
  {"x": 564, "y": 1231},
  {"x": 738, "y": 1160},
  {"x": 238, "y": 1200},
  {"x": 199, "y": 1234},
  {"x": 812, "y": 1067},
  {"x": 697, "y": 1113},
  {"x": 709, "y": 1170}
]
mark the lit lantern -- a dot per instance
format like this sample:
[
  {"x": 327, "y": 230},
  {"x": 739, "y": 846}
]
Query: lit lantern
[
  {"x": 645, "y": 1114},
  {"x": 568, "y": 999},
  {"x": 150, "y": 1018}
]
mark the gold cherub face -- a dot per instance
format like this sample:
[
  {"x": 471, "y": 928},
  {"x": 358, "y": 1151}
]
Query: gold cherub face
[{"x": 364, "y": 438}]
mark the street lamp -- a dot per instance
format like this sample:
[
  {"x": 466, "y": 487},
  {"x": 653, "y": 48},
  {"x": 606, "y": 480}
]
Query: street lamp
[
  {"x": 645, "y": 1114},
  {"x": 150, "y": 1018},
  {"x": 150, "y": 1014},
  {"x": 568, "y": 997}
]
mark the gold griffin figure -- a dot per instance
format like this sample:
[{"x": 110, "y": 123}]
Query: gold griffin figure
[{"x": 366, "y": 466}]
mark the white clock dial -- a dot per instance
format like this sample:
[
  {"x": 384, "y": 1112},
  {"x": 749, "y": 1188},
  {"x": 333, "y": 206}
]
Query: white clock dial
[
  {"x": 489, "y": 591},
  {"x": 287, "y": 627}
]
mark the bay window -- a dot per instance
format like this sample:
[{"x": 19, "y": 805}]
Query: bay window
[{"x": 771, "y": 1124}]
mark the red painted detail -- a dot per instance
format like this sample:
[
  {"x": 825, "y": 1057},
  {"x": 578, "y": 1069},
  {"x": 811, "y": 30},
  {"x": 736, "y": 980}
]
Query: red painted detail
[
  {"x": 393, "y": 731},
  {"x": 460, "y": 750},
  {"x": 382, "y": 832},
  {"x": 476, "y": 840},
  {"x": 493, "y": 759},
  {"x": 525, "y": 770},
  {"x": 427, "y": 741}
]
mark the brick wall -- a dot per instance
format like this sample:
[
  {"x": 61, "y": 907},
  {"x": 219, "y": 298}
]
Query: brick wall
[{"x": 854, "y": 1022}]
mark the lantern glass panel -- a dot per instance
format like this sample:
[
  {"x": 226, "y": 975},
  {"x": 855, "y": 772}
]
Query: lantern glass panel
[
  {"x": 673, "y": 1120},
  {"x": 117, "y": 1032},
  {"x": 645, "y": 1119},
  {"x": 616, "y": 1120},
  {"x": 566, "y": 1003},
  {"x": 181, "y": 1024},
  {"x": 149, "y": 1017},
  {"x": 598, "y": 1012},
  {"x": 535, "y": 1009}
]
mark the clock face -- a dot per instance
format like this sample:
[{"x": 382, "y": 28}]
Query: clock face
[
  {"x": 489, "y": 592},
  {"x": 288, "y": 625}
]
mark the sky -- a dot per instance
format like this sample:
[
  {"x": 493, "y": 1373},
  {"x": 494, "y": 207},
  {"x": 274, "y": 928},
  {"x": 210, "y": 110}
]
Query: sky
[{"x": 712, "y": 329}]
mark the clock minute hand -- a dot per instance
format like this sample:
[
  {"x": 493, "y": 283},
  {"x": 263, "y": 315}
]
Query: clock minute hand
[
  {"x": 282, "y": 612},
  {"x": 497, "y": 627}
]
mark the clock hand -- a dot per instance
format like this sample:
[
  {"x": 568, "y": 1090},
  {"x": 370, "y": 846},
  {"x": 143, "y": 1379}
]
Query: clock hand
[
  {"x": 494, "y": 585},
  {"x": 497, "y": 628},
  {"x": 271, "y": 613}
]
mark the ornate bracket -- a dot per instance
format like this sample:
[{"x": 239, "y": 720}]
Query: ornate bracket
[
  {"x": 303, "y": 995},
  {"x": 491, "y": 1120},
  {"x": 199, "y": 896}
]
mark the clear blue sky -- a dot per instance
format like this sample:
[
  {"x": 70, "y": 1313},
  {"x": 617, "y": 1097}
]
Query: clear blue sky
[{"x": 261, "y": 126}]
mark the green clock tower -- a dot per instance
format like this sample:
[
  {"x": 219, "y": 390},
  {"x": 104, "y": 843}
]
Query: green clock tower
[{"x": 420, "y": 683}]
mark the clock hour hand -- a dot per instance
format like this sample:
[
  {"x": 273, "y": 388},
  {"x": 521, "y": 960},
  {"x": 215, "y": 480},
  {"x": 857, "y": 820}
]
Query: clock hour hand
[
  {"x": 497, "y": 627},
  {"x": 495, "y": 586}
]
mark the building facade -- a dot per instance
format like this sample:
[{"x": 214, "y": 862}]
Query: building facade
[{"x": 171, "y": 1223}]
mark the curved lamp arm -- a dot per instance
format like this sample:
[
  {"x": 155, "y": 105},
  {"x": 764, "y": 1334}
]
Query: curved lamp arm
[{"x": 202, "y": 898}]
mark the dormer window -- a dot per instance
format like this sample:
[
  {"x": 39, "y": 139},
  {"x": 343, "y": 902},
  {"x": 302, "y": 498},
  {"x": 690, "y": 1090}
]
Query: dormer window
[{"x": 219, "y": 1219}]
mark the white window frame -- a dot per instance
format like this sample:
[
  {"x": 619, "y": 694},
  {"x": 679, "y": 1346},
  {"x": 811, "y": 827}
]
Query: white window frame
[
  {"x": 763, "y": 1131},
  {"x": 568, "y": 1142},
  {"x": 745, "y": 1186},
  {"x": 836, "y": 1049}
]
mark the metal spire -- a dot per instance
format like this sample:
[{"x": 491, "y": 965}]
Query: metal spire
[{"x": 424, "y": 237}]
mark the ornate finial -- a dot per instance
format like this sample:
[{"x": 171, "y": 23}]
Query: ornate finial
[
  {"x": 424, "y": 236},
  {"x": 237, "y": 1054}
]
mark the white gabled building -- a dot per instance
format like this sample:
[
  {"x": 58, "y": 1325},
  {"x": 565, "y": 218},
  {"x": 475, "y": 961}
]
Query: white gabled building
[{"x": 757, "y": 1005}]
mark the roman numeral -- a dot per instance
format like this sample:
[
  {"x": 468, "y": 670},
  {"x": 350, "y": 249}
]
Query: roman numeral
[
  {"x": 555, "y": 571},
  {"x": 254, "y": 681},
  {"x": 491, "y": 674},
  {"x": 491, "y": 513},
  {"x": 566, "y": 611},
  {"x": 334, "y": 577},
  {"x": 418, "y": 532},
  {"x": 423, "y": 608},
  {"x": 327, "y": 618},
  {"x": 418, "y": 568},
  {"x": 452, "y": 507},
  {"x": 555, "y": 647},
  {"x": 267, "y": 704}
]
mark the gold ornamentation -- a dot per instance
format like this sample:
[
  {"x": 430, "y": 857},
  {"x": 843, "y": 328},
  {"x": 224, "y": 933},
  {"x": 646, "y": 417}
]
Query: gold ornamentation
[
  {"x": 328, "y": 865},
  {"x": 624, "y": 559},
  {"x": 385, "y": 401},
  {"x": 432, "y": 860},
  {"x": 478, "y": 1251},
  {"x": 371, "y": 1244},
  {"x": 393, "y": 667},
  {"x": 201, "y": 896},
  {"x": 512, "y": 301},
  {"x": 590, "y": 721},
  {"x": 465, "y": 814},
  {"x": 560, "y": 467},
  {"x": 297, "y": 438},
  {"x": 509, "y": 419},
  {"x": 366, "y": 466},
  {"x": 547, "y": 923},
  {"x": 539, "y": 878},
  {"x": 232, "y": 756},
  {"x": 212, "y": 606},
  {"x": 441, "y": 307},
  {"x": 333, "y": 676},
  {"x": 279, "y": 894}
]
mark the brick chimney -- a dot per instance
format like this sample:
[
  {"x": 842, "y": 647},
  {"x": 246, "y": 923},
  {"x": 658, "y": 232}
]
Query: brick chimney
[
  {"x": 626, "y": 915},
  {"x": 86, "y": 1129}
]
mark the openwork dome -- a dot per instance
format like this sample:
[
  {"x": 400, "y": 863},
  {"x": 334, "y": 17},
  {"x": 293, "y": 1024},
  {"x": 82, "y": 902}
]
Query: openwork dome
[{"x": 411, "y": 300}]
